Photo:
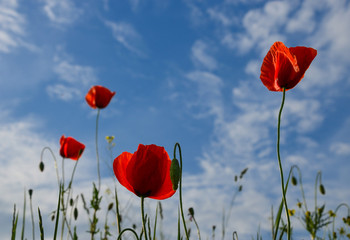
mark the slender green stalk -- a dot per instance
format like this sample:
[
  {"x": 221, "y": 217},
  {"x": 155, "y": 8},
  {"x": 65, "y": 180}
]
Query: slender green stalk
[
  {"x": 14, "y": 223},
  {"x": 198, "y": 231},
  {"x": 97, "y": 155},
  {"x": 180, "y": 189},
  {"x": 54, "y": 158},
  {"x": 280, "y": 164},
  {"x": 143, "y": 217},
  {"x": 58, "y": 212},
  {"x": 125, "y": 230},
  {"x": 31, "y": 212},
  {"x": 155, "y": 224},
  {"x": 41, "y": 225},
  {"x": 24, "y": 214},
  {"x": 117, "y": 209}
]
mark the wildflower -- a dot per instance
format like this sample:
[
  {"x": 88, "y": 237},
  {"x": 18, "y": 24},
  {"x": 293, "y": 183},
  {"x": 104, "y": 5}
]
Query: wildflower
[
  {"x": 99, "y": 97},
  {"x": 284, "y": 67},
  {"x": 291, "y": 212},
  {"x": 331, "y": 213},
  {"x": 146, "y": 173},
  {"x": 109, "y": 139},
  {"x": 71, "y": 148},
  {"x": 299, "y": 204}
]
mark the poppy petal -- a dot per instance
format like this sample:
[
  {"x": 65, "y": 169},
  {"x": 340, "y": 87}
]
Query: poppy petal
[{"x": 119, "y": 168}]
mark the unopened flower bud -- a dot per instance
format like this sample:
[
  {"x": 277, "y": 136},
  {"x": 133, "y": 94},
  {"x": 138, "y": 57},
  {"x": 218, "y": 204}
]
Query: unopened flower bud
[
  {"x": 294, "y": 181},
  {"x": 110, "y": 206},
  {"x": 30, "y": 191},
  {"x": 175, "y": 173},
  {"x": 41, "y": 166},
  {"x": 71, "y": 202},
  {"x": 75, "y": 213},
  {"x": 322, "y": 189}
]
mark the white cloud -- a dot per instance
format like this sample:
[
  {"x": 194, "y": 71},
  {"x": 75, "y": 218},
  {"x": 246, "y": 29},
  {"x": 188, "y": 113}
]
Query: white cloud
[
  {"x": 200, "y": 57},
  {"x": 127, "y": 36},
  {"x": 208, "y": 94},
  {"x": 261, "y": 27},
  {"x": 63, "y": 92},
  {"x": 11, "y": 26},
  {"x": 340, "y": 148},
  {"x": 73, "y": 73},
  {"x": 220, "y": 16},
  {"x": 61, "y": 11},
  {"x": 73, "y": 78}
]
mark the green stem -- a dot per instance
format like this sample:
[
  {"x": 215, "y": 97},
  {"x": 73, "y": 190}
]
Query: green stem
[
  {"x": 180, "y": 189},
  {"x": 54, "y": 158},
  {"x": 57, "y": 212},
  {"x": 280, "y": 164},
  {"x": 24, "y": 214},
  {"x": 97, "y": 155},
  {"x": 143, "y": 217},
  {"x": 32, "y": 215},
  {"x": 117, "y": 209},
  {"x": 127, "y": 229}
]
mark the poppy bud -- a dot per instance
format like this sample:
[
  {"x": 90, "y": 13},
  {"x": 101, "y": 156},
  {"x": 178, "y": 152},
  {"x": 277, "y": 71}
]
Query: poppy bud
[
  {"x": 322, "y": 189},
  {"x": 243, "y": 172},
  {"x": 240, "y": 188},
  {"x": 30, "y": 191},
  {"x": 53, "y": 216},
  {"x": 191, "y": 212},
  {"x": 294, "y": 181},
  {"x": 175, "y": 172},
  {"x": 110, "y": 206},
  {"x": 71, "y": 202},
  {"x": 236, "y": 178},
  {"x": 41, "y": 166},
  {"x": 75, "y": 213}
]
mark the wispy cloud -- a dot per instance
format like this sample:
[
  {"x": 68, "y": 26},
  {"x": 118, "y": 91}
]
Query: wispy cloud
[
  {"x": 11, "y": 26},
  {"x": 61, "y": 11},
  {"x": 200, "y": 55},
  {"x": 127, "y": 36},
  {"x": 261, "y": 27},
  {"x": 72, "y": 77}
]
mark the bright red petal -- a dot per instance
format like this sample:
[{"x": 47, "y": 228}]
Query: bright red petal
[
  {"x": 277, "y": 65},
  {"x": 119, "y": 167},
  {"x": 304, "y": 56},
  {"x": 166, "y": 189}
]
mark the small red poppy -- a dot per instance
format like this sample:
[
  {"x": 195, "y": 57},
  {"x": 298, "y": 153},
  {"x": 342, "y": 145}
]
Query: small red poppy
[
  {"x": 71, "y": 148},
  {"x": 146, "y": 173},
  {"x": 284, "y": 67},
  {"x": 99, "y": 97}
]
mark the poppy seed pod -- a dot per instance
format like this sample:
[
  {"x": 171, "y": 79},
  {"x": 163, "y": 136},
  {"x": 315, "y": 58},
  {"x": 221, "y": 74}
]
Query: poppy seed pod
[
  {"x": 146, "y": 172},
  {"x": 284, "y": 67}
]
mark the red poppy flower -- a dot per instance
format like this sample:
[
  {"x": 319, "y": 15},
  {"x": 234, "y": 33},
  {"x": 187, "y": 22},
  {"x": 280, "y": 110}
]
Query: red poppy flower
[
  {"x": 146, "y": 172},
  {"x": 71, "y": 148},
  {"x": 99, "y": 97},
  {"x": 284, "y": 67}
]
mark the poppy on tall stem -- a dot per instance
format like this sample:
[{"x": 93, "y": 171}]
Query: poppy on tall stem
[
  {"x": 282, "y": 69},
  {"x": 98, "y": 97},
  {"x": 146, "y": 173},
  {"x": 73, "y": 149}
]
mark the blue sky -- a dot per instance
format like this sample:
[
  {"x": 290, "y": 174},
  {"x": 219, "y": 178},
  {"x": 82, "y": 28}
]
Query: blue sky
[{"x": 184, "y": 71}]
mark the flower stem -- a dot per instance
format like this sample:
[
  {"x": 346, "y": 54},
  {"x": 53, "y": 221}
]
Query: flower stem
[
  {"x": 180, "y": 189},
  {"x": 280, "y": 164},
  {"x": 143, "y": 217},
  {"x": 97, "y": 156}
]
